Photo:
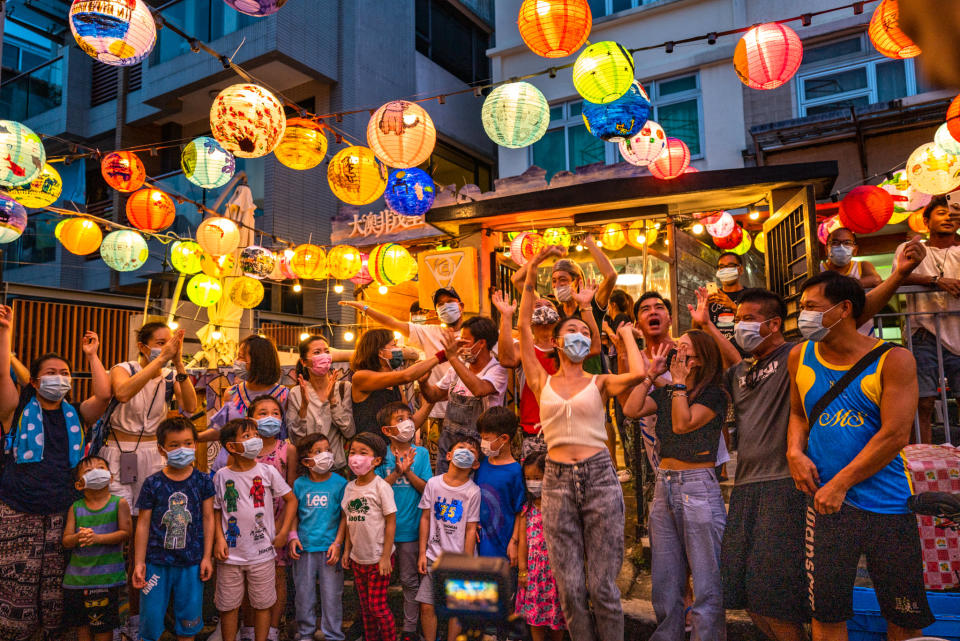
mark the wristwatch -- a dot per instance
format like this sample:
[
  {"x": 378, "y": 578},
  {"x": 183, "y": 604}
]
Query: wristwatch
[
  {"x": 181, "y": 378},
  {"x": 676, "y": 387}
]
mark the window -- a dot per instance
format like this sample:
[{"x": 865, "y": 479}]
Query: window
[
  {"x": 448, "y": 165},
  {"x": 600, "y": 8},
  {"x": 206, "y": 21},
  {"x": 452, "y": 40},
  {"x": 567, "y": 144},
  {"x": 676, "y": 108},
  {"x": 849, "y": 73}
]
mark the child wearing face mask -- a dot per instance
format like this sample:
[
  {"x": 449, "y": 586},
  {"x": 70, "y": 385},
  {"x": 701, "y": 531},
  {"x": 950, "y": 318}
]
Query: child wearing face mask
[
  {"x": 449, "y": 513},
  {"x": 500, "y": 479},
  {"x": 97, "y": 526},
  {"x": 248, "y": 536},
  {"x": 371, "y": 520},
  {"x": 317, "y": 539},
  {"x": 406, "y": 468}
]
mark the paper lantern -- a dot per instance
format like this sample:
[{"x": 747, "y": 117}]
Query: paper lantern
[
  {"x": 204, "y": 291},
  {"x": 22, "y": 155},
  {"x": 206, "y": 163},
  {"x": 363, "y": 277},
  {"x": 217, "y": 266},
  {"x": 932, "y": 170},
  {"x": 887, "y": 36},
  {"x": 257, "y": 262},
  {"x": 150, "y": 210},
  {"x": 59, "y": 227},
  {"x": 731, "y": 240},
  {"x": 651, "y": 236},
  {"x": 620, "y": 119},
  {"x": 646, "y": 146},
  {"x": 558, "y": 236},
  {"x": 391, "y": 264},
  {"x": 760, "y": 242},
  {"x": 636, "y": 234},
  {"x": 554, "y": 28},
  {"x": 13, "y": 219},
  {"x": 917, "y": 223},
  {"x": 247, "y": 120},
  {"x": 303, "y": 145},
  {"x": 185, "y": 256},
  {"x": 410, "y": 191},
  {"x": 767, "y": 55},
  {"x": 603, "y": 72},
  {"x": 525, "y": 246},
  {"x": 343, "y": 262},
  {"x": 865, "y": 209},
  {"x": 515, "y": 115},
  {"x": 246, "y": 292},
  {"x": 718, "y": 224},
  {"x": 744, "y": 245},
  {"x": 308, "y": 262},
  {"x": 401, "y": 134},
  {"x": 356, "y": 176},
  {"x": 124, "y": 250},
  {"x": 953, "y": 117},
  {"x": 945, "y": 140},
  {"x": 80, "y": 236},
  {"x": 825, "y": 228},
  {"x": 218, "y": 235},
  {"x": 42, "y": 191},
  {"x": 905, "y": 198},
  {"x": 613, "y": 237},
  {"x": 123, "y": 170},
  {"x": 672, "y": 161},
  {"x": 257, "y": 8},
  {"x": 115, "y": 32}
]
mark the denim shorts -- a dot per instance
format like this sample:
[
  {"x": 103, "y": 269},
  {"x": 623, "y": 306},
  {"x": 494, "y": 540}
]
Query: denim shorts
[{"x": 928, "y": 372}]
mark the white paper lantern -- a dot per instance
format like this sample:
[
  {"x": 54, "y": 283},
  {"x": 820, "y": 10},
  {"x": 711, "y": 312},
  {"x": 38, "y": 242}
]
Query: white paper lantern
[
  {"x": 945, "y": 140},
  {"x": 646, "y": 146},
  {"x": 932, "y": 170},
  {"x": 719, "y": 224},
  {"x": 515, "y": 115},
  {"x": 22, "y": 155},
  {"x": 115, "y": 32},
  {"x": 218, "y": 236},
  {"x": 247, "y": 120}
]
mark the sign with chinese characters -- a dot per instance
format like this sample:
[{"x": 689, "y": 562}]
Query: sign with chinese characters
[
  {"x": 375, "y": 227},
  {"x": 456, "y": 268}
]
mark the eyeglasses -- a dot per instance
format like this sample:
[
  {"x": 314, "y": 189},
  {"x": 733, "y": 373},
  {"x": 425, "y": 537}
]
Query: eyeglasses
[{"x": 849, "y": 244}]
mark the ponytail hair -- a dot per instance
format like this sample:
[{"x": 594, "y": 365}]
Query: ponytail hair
[{"x": 304, "y": 348}]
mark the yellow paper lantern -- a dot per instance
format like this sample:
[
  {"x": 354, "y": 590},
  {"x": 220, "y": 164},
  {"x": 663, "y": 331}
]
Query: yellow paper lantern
[
  {"x": 744, "y": 245},
  {"x": 344, "y": 262},
  {"x": 401, "y": 134},
  {"x": 636, "y": 234},
  {"x": 356, "y": 176},
  {"x": 185, "y": 256},
  {"x": 246, "y": 292},
  {"x": 56, "y": 230},
  {"x": 218, "y": 235},
  {"x": 80, "y": 236},
  {"x": 760, "y": 242},
  {"x": 204, "y": 290},
  {"x": 303, "y": 145},
  {"x": 124, "y": 250},
  {"x": 603, "y": 72},
  {"x": 247, "y": 120},
  {"x": 613, "y": 237},
  {"x": 556, "y": 236},
  {"x": 42, "y": 191},
  {"x": 391, "y": 264},
  {"x": 217, "y": 266},
  {"x": 309, "y": 262},
  {"x": 652, "y": 235}
]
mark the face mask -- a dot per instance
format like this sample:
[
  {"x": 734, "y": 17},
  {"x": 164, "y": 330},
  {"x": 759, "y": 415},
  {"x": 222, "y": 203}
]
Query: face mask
[
  {"x": 563, "y": 293},
  {"x": 418, "y": 319},
  {"x": 545, "y": 315},
  {"x": 471, "y": 356},
  {"x": 747, "y": 335},
  {"x": 405, "y": 430},
  {"x": 841, "y": 255},
  {"x": 487, "y": 448},
  {"x": 322, "y": 462},
  {"x": 360, "y": 464},
  {"x": 320, "y": 364},
  {"x": 96, "y": 479},
  {"x": 396, "y": 359},
  {"x": 534, "y": 487},
  {"x": 811, "y": 326},
  {"x": 53, "y": 388},
  {"x": 268, "y": 426},
  {"x": 181, "y": 457},
  {"x": 252, "y": 447},
  {"x": 728, "y": 274},
  {"x": 155, "y": 353},
  {"x": 240, "y": 369},
  {"x": 463, "y": 458},
  {"x": 576, "y": 346},
  {"x": 449, "y": 313}
]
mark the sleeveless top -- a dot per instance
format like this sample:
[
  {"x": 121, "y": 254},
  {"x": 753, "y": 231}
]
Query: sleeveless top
[
  {"x": 529, "y": 407},
  {"x": 846, "y": 425},
  {"x": 96, "y": 566},
  {"x": 578, "y": 420},
  {"x": 365, "y": 412},
  {"x": 148, "y": 407}
]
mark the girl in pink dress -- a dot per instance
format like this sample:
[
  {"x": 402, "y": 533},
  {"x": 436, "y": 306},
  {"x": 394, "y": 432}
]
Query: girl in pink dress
[{"x": 537, "y": 599}]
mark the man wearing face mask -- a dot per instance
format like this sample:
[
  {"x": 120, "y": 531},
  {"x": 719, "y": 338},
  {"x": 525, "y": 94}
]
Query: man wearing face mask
[
  {"x": 723, "y": 303},
  {"x": 474, "y": 382},
  {"x": 841, "y": 248},
  {"x": 853, "y": 399}
]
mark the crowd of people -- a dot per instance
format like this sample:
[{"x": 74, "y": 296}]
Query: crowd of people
[{"x": 334, "y": 476}]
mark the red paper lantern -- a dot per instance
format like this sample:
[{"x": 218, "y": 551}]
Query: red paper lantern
[
  {"x": 917, "y": 223},
  {"x": 767, "y": 55},
  {"x": 150, "y": 210},
  {"x": 886, "y": 35},
  {"x": 554, "y": 28},
  {"x": 730, "y": 241},
  {"x": 866, "y": 209},
  {"x": 123, "y": 170},
  {"x": 672, "y": 161},
  {"x": 953, "y": 118}
]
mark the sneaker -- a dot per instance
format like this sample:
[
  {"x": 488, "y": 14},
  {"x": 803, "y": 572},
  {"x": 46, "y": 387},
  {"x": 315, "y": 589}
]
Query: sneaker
[{"x": 624, "y": 475}]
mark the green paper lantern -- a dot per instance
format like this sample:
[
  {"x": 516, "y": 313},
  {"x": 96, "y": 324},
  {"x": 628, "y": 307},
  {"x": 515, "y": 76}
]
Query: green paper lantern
[
  {"x": 744, "y": 246},
  {"x": 124, "y": 250},
  {"x": 515, "y": 115},
  {"x": 603, "y": 72},
  {"x": 206, "y": 163},
  {"x": 185, "y": 256},
  {"x": 204, "y": 291}
]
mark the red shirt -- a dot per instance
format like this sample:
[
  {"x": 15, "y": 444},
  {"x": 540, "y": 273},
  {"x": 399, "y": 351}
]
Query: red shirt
[{"x": 529, "y": 406}]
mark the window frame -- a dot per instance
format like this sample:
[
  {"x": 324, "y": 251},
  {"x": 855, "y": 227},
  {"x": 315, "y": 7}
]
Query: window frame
[
  {"x": 656, "y": 102},
  {"x": 482, "y": 68},
  {"x": 608, "y": 7}
]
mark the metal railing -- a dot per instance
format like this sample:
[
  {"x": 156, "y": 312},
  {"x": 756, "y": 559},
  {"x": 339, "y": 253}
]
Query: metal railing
[{"x": 33, "y": 92}]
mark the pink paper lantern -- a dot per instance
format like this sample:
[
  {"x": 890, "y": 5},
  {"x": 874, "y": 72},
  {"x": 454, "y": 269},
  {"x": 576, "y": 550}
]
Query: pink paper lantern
[
  {"x": 364, "y": 276},
  {"x": 719, "y": 224},
  {"x": 672, "y": 162}
]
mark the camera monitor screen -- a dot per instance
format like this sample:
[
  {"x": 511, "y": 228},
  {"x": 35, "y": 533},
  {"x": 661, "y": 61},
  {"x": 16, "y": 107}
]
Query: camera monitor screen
[{"x": 472, "y": 596}]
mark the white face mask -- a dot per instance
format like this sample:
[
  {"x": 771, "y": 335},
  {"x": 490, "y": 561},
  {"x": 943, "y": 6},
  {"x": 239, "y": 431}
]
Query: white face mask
[
  {"x": 449, "y": 313},
  {"x": 405, "y": 430},
  {"x": 96, "y": 479},
  {"x": 322, "y": 462},
  {"x": 747, "y": 334},
  {"x": 563, "y": 293},
  {"x": 811, "y": 327},
  {"x": 487, "y": 448},
  {"x": 728, "y": 274},
  {"x": 841, "y": 255}
]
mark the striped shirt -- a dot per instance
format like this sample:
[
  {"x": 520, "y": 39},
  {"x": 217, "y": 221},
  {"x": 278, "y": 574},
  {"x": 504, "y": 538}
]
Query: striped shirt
[{"x": 96, "y": 566}]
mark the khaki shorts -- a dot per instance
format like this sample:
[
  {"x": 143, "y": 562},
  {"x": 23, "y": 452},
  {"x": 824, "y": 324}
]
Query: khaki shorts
[
  {"x": 260, "y": 583},
  {"x": 149, "y": 462}
]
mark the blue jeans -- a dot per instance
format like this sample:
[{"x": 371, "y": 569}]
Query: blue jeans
[
  {"x": 310, "y": 568},
  {"x": 686, "y": 527},
  {"x": 583, "y": 513},
  {"x": 166, "y": 582}
]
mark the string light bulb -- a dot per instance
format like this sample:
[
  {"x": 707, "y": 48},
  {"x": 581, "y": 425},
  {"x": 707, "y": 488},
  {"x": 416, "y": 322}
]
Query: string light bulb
[
  {"x": 173, "y": 325},
  {"x": 304, "y": 336},
  {"x": 397, "y": 336},
  {"x": 754, "y": 213},
  {"x": 579, "y": 247},
  {"x": 297, "y": 287},
  {"x": 348, "y": 336},
  {"x": 382, "y": 290},
  {"x": 697, "y": 228},
  {"x": 338, "y": 288},
  {"x": 599, "y": 243},
  {"x": 216, "y": 334}
]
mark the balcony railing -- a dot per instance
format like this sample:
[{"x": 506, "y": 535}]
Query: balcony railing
[{"x": 32, "y": 92}]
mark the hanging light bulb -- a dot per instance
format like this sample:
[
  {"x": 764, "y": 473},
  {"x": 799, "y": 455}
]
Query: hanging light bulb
[
  {"x": 382, "y": 290},
  {"x": 348, "y": 336},
  {"x": 338, "y": 288},
  {"x": 754, "y": 213},
  {"x": 697, "y": 228},
  {"x": 173, "y": 325},
  {"x": 304, "y": 336},
  {"x": 297, "y": 287},
  {"x": 216, "y": 335},
  {"x": 288, "y": 253},
  {"x": 397, "y": 336},
  {"x": 656, "y": 225},
  {"x": 599, "y": 243},
  {"x": 579, "y": 248}
]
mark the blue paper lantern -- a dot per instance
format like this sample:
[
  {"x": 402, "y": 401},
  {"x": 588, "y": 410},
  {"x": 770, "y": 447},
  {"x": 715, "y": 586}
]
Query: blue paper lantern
[
  {"x": 620, "y": 119},
  {"x": 410, "y": 191},
  {"x": 206, "y": 163}
]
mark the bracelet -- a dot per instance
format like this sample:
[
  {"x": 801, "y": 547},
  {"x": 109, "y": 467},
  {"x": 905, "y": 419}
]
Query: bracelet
[
  {"x": 522, "y": 574},
  {"x": 365, "y": 308},
  {"x": 441, "y": 356},
  {"x": 678, "y": 393}
]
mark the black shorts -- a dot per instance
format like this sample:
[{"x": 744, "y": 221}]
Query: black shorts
[
  {"x": 891, "y": 544},
  {"x": 96, "y": 608},
  {"x": 761, "y": 557}
]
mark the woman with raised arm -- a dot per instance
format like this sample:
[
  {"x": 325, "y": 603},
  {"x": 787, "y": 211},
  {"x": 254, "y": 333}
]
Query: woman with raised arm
[{"x": 582, "y": 500}]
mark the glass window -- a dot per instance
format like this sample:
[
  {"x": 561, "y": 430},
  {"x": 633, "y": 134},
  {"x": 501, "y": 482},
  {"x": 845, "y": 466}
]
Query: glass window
[
  {"x": 549, "y": 153},
  {"x": 676, "y": 108},
  {"x": 837, "y": 105},
  {"x": 452, "y": 40},
  {"x": 667, "y": 87},
  {"x": 850, "y": 46},
  {"x": 448, "y": 165},
  {"x": 584, "y": 148},
  {"x": 567, "y": 144},
  {"x": 600, "y": 8},
  {"x": 206, "y": 20},
  {"x": 841, "y": 82},
  {"x": 891, "y": 80}
]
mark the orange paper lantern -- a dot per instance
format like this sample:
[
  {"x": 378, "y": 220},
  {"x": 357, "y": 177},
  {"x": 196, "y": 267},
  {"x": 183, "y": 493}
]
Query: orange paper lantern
[
  {"x": 672, "y": 161},
  {"x": 150, "y": 210},
  {"x": 887, "y": 36},
  {"x": 866, "y": 209},
  {"x": 767, "y": 55},
  {"x": 401, "y": 134},
  {"x": 123, "y": 170},
  {"x": 953, "y": 118},
  {"x": 917, "y": 223},
  {"x": 554, "y": 28},
  {"x": 80, "y": 236}
]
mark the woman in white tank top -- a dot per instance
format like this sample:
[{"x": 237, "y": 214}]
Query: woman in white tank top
[{"x": 582, "y": 500}]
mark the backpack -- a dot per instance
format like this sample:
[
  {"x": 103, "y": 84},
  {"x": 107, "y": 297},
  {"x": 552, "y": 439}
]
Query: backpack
[{"x": 101, "y": 429}]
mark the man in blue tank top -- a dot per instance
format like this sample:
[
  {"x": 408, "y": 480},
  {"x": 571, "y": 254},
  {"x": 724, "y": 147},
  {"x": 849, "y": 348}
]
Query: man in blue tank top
[{"x": 848, "y": 460}]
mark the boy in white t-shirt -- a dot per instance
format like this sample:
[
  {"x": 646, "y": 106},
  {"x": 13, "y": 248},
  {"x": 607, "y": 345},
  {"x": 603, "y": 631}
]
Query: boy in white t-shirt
[
  {"x": 450, "y": 511},
  {"x": 247, "y": 539}
]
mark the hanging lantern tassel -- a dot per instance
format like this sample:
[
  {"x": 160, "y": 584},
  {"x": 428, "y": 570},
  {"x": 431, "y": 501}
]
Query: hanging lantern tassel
[{"x": 176, "y": 298}]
